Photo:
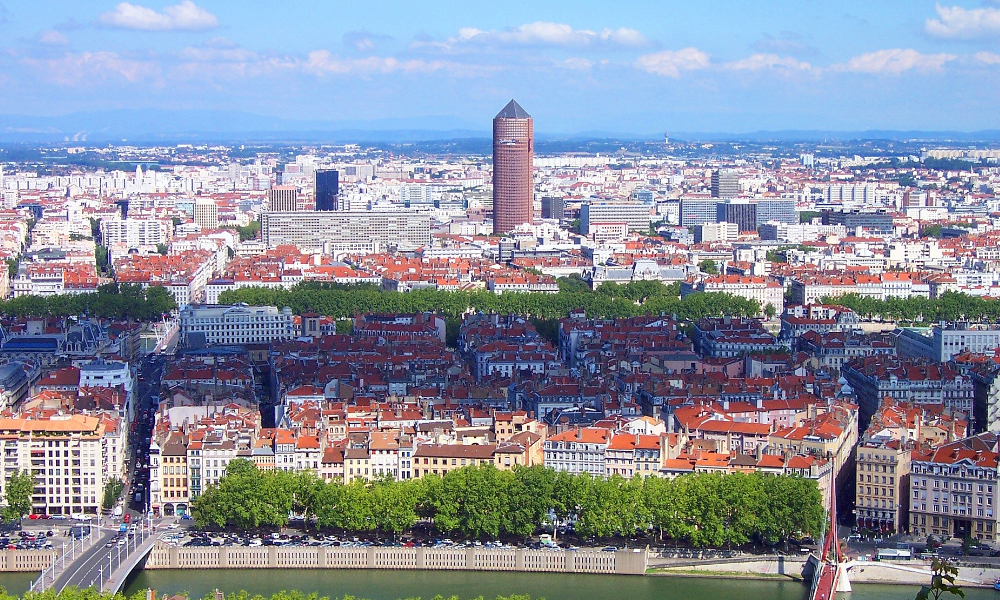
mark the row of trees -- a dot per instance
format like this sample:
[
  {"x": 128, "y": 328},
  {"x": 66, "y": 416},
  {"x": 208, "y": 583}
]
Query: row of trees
[
  {"x": 484, "y": 502},
  {"x": 609, "y": 301},
  {"x": 949, "y": 306},
  {"x": 110, "y": 301}
]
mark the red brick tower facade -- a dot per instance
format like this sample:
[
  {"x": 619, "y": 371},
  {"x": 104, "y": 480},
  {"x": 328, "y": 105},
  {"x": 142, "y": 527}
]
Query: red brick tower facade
[{"x": 513, "y": 149}]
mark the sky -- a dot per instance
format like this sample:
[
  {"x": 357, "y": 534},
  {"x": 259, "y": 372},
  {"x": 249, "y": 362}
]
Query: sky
[{"x": 577, "y": 66}]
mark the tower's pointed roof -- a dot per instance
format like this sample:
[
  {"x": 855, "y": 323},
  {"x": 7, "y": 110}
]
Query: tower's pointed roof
[{"x": 513, "y": 110}]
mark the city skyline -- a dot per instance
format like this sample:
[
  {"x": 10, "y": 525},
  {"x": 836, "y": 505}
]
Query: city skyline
[{"x": 631, "y": 68}]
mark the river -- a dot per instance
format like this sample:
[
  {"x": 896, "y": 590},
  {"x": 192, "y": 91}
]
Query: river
[{"x": 395, "y": 585}]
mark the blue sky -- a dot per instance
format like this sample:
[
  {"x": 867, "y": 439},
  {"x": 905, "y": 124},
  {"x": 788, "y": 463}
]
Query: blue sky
[{"x": 623, "y": 66}]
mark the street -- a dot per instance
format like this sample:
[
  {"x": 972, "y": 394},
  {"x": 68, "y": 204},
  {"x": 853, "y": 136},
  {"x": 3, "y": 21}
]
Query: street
[{"x": 112, "y": 547}]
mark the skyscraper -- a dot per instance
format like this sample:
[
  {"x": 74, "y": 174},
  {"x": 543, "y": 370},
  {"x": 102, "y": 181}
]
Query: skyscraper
[
  {"x": 742, "y": 214},
  {"x": 327, "y": 189},
  {"x": 553, "y": 207},
  {"x": 513, "y": 148},
  {"x": 282, "y": 198},
  {"x": 725, "y": 183}
]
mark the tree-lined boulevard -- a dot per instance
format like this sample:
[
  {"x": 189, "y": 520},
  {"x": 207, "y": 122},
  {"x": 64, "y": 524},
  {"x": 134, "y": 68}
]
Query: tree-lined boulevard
[{"x": 702, "y": 509}]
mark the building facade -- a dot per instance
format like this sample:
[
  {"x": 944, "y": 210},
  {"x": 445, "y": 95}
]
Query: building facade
[
  {"x": 513, "y": 150},
  {"x": 327, "y": 189},
  {"x": 349, "y": 231},
  {"x": 65, "y": 454},
  {"x": 553, "y": 207},
  {"x": 698, "y": 211},
  {"x": 725, "y": 183},
  {"x": 206, "y": 213},
  {"x": 634, "y": 215},
  {"x": 282, "y": 198},
  {"x": 743, "y": 214},
  {"x": 133, "y": 232},
  {"x": 232, "y": 325},
  {"x": 953, "y": 489},
  {"x": 883, "y": 468}
]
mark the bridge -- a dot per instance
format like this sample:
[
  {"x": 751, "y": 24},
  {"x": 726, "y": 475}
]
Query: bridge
[
  {"x": 97, "y": 560},
  {"x": 830, "y": 575}
]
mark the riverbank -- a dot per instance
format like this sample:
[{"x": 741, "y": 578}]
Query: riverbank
[{"x": 911, "y": 573}]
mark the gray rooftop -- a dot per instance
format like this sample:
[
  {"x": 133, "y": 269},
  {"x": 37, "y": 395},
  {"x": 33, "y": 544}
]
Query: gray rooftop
[{"x": 513, "y": 110}]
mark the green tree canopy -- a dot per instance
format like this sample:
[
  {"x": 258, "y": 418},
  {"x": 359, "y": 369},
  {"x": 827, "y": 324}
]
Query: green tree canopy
[
  {"x": 17, "y": 495},
  {"x": 484, "y": 502}
]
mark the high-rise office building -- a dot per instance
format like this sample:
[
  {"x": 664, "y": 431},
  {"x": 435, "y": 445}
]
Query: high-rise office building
[
  {"x": 282, "y": 198},
  {"x": 741, "y": 214},
  {"x": 553, "y": 207},
  {"x": 725, "y": 183},
  {"x": 206, "y": 213},
  {"x": 781, "y": 210},
  {"x": 696, "y": 211},
  {"x": 513, "y": 148},
  {"x": 327, "y": 189}
]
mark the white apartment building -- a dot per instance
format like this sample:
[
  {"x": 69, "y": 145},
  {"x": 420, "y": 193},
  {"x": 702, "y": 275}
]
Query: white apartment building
[
  {"x": 350, "y": 231},
  {"x": 580, "y": 450},
  {"x": 851, "y": 193},
  {"x": 100, "y": 373},
  {"x": 764, "y": 290},
  {"x": 634, "y": 215},
  {"x": 234, "y": 325},
  {"x": 133, "y": 232},
  {"x": 66, "y": 454}
]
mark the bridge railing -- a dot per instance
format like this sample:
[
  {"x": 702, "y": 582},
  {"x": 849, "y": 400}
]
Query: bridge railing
[
  {"x": 112, "y": 578},
  {"x": 68, "y": 555}
]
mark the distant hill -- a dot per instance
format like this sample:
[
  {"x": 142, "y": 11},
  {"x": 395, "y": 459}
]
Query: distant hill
[{"x": 172, "y": 126}]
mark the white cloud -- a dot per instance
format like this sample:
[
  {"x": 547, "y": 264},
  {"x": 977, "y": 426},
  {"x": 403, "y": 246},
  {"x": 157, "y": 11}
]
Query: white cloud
[
  {"x": 542, "y": 33},
  {"x": 787, "y": 42},
  {"x": 51, "y": 37},
  {"x": 184, "y": 16},
  {"x": 577, "y": 64},
  {"x": 756, "y": 62},
  {"x": 671, "y": 62},
  {"x": 217, "y": 50},
  {"x": 322, "y": 61},
  {"x": 72, "y": 69},
  {"x": 894, "y": 61},
  {"x": 988, "y": 58},
  {"x": 963, "y": 23}
]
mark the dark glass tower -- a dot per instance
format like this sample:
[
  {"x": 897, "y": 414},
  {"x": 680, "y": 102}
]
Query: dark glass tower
[{"x": 327, "y": 189}]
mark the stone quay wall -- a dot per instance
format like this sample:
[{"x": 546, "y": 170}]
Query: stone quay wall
[{"x": 621, "y": 562}]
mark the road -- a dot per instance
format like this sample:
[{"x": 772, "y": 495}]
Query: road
[
  {"x": 147, "y": 398},
  {"x": 95, "y": 564},
  {"x": 100, "y": 560}
]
